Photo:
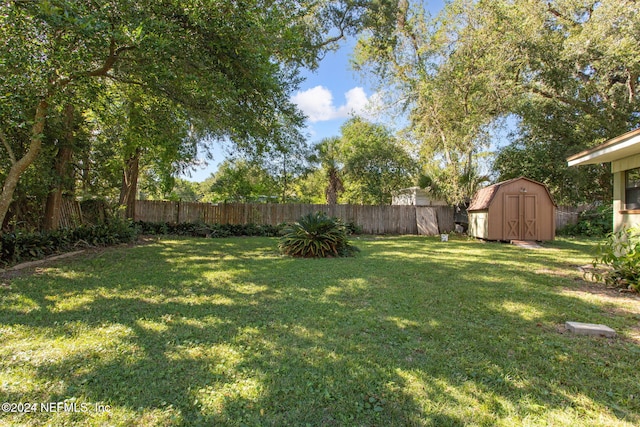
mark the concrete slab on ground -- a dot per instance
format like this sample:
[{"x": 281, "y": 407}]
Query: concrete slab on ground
[
  {"x": 526, "y": 244},
  {"x": 579, "y": 328}
]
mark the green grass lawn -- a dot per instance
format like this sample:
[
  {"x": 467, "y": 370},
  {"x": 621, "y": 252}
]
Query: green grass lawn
[{"x": 412, "y": 331}]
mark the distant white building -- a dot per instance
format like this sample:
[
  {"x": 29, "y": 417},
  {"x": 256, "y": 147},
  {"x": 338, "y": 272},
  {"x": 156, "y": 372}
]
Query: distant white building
[{"x": 416, "y": 196}]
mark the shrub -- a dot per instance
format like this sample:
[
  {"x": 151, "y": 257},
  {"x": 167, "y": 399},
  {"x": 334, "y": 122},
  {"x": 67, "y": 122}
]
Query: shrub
[
  {"x": 621, "y": 253},
  {"x": 593, "y": 223},
  {"x": 201, "y": 229},
  {"x": 316, "y": 236},
  {"x": 21, "y": 246},
  {"x": 353, "y": 228}
]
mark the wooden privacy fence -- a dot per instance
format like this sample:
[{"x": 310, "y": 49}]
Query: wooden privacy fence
[
  {"x": 372, "y": 219},
  {"x": 568, "y": 215},
  {"x": 70, "y": 213}
]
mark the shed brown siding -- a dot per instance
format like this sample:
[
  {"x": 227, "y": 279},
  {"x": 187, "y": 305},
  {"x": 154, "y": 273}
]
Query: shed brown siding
[{"x": 518, "y": 209}]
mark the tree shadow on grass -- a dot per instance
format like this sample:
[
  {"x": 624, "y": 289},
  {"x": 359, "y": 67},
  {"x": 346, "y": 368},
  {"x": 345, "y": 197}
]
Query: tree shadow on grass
[{"x": 226, "y": 332}]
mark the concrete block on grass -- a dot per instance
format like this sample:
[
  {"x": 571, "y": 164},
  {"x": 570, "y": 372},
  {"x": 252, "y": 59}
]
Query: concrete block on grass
[{"x": 590, "y": 329}]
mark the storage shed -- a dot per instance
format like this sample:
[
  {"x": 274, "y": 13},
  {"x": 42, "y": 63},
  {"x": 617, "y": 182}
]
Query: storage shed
[{"x": 517, "y": 209}]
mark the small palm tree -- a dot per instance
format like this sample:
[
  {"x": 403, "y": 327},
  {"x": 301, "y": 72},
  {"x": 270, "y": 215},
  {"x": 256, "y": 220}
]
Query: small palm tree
[
  {"x": 316, "y": 236},
  {"x": 327, "y": 155},
  {"x": 334, "y": 187}
]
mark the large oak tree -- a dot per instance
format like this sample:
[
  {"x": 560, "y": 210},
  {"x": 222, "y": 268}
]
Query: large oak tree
[
  {"x": 567, "y": 70},
  {"x": 230, "y": 65}
]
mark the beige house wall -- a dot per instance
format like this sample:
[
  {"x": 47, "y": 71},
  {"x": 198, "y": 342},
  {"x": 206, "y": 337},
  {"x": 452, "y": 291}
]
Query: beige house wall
[{"x": 621, "y": 217}]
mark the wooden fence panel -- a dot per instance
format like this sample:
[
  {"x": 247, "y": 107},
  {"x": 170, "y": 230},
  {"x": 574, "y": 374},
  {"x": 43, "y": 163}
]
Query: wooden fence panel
[
  {"x": 445, "y": 215},
  {"x": 70, "y": 213},
  {"x": 567, "y": 215},
  {"x": 372, "y": 219},
  {"x": 156, "y": 211}
]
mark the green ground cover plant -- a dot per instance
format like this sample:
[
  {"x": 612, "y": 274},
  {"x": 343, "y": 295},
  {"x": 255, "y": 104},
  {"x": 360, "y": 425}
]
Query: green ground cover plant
[
  {"x": 594, "y": 222},
  {"x": 19, "y": 246},
  {"x": 316, "y": 235},
  {"x": 620, "y": 252},
  {"x": 411, "y": 332}
]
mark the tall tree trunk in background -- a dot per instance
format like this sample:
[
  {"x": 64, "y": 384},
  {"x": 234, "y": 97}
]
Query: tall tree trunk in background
[
  {"x": 85, "y": 173},
  {"x": 19, "y": 166},
  {"x": 129, "y": 187},
  {"x": 53, "y": 207},
  {"x": 334, "y": 187},
  {"x": 284, "y": 178}
]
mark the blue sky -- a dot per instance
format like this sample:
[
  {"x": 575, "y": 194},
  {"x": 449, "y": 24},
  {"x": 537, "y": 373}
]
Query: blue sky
[{"x": 328, "y": 97}]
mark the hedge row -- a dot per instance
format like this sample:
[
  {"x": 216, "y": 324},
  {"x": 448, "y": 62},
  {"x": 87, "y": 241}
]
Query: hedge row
[
  {"x": 208, "y": 230},
  {"x": 591, "y": 223},
  {"x": 221, "y": 230},
  {"x": 24, "y": 246}
]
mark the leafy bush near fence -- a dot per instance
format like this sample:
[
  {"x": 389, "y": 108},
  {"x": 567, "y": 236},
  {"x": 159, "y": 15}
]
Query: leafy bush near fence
[
  {"x": 22, "y": 246},
  {"x": 595, "y": 222},
  {"x": 621, "y": 253},
  {"x": 316, "y": 236},
  {"x": 200, "y": 229},
  {"x": 353, "y": 228}
]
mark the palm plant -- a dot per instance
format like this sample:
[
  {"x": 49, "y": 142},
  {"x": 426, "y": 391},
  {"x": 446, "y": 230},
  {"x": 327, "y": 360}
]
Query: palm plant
[
  {"x": 327, "y": 155},
  {"x": 316, "y": 236}
]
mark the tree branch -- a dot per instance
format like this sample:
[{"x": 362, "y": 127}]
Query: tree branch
[
  {"x": 17, "y": 168},
  {"x": 555, "y": 12},
  {"x": 114, "y": 55},
  {"x": 12, "y": 156},
  {"x": 121, "y": 80},
  {"x": 631, "y": 85},
  {"x": 342, "y": 26},
  {"x": 565, "y": 100},
  {"x": 103, "y": 70},
  {"x": 331, "y": 40}
]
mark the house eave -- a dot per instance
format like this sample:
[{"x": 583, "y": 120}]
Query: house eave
[{"x": 625, "y": 145}]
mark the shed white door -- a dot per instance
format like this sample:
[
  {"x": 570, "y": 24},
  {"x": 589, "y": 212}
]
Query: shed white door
[{"x": 520, "y": 217}]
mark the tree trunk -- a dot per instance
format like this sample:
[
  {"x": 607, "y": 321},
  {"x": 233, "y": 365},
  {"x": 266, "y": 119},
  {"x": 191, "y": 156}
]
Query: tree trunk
[
  {"x": 52, "y": 213},
  {"x": 18, "y": 167},
  {"x": 130, "y": 185},
  {"x": 86, "y": 172},
  {"x": 284, "y": 178},
  {"x": 334, "y": 187}
]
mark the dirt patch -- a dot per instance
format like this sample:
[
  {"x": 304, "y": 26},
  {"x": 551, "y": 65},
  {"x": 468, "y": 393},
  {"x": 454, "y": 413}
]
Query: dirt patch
[
  {"x": 557, "y": 273},
  {"x": 598, "y": 288},
  {"x": 526, "y": 244},
  {"x": 614, "y": 303}
]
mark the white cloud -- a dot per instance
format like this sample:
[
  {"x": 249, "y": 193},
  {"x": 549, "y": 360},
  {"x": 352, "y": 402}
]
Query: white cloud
[
  {"x": 357, "y": 102},
  {"x": 317, "y": 104}
]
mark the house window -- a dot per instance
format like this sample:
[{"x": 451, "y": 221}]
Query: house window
[{"x": 632, "y": 189}]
